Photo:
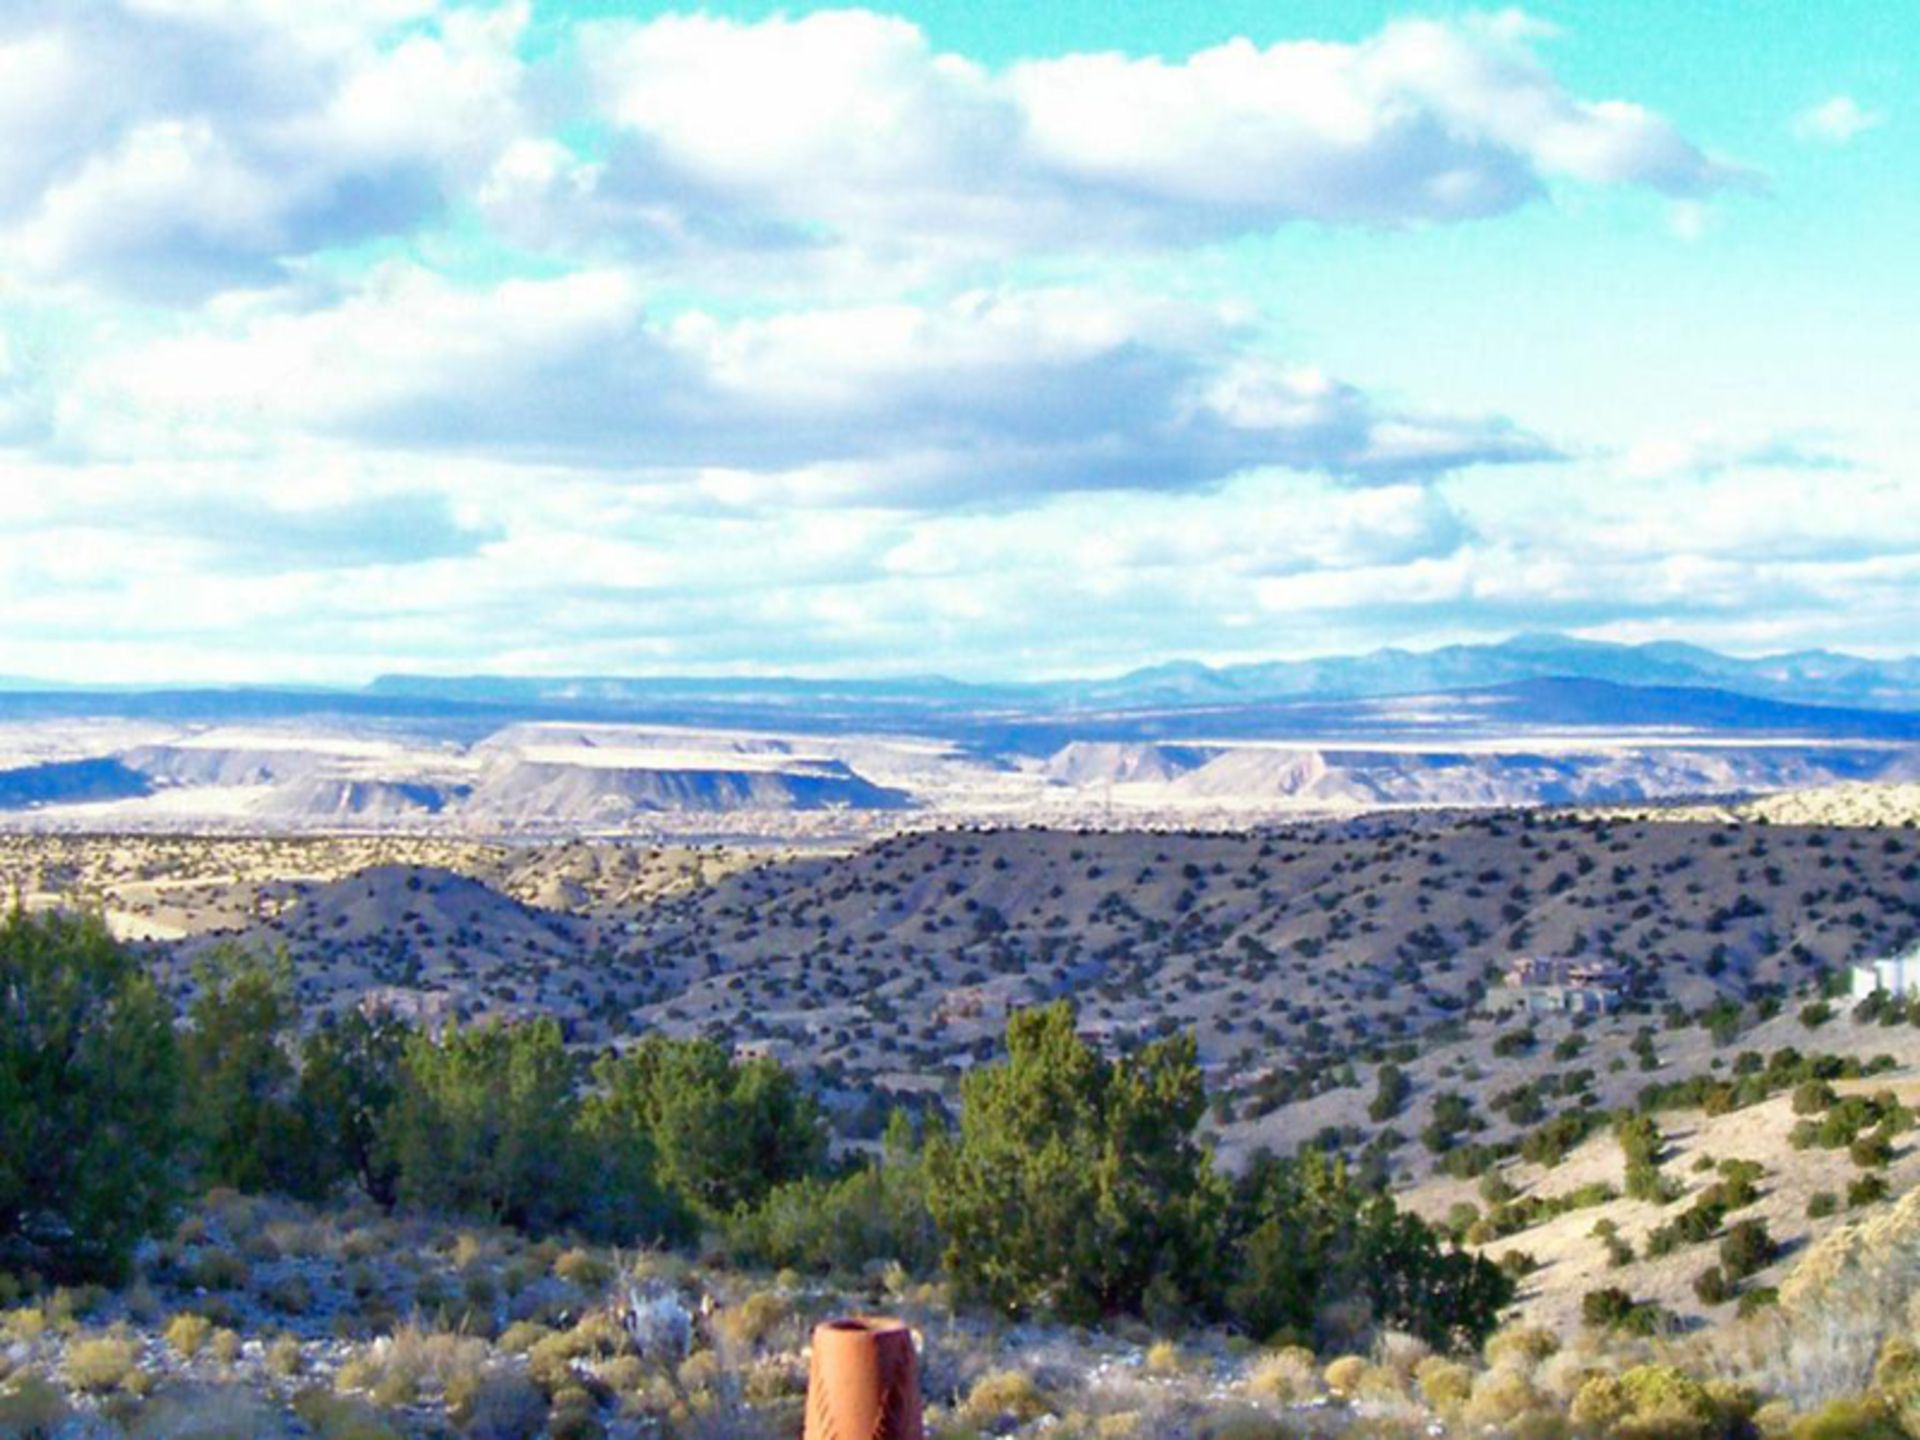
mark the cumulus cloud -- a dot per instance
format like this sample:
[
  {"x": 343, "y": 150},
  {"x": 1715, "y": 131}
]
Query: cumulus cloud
[
  {"x": 484, "y": 563},
  {"x": 1836, "y": 121},
  {"x": 850, "y": 123},
  {"x": 172, "y": 150},
  {"x": 826, "y": 358},
  {"x": 995, "y": 396},
  {"x": 319, "y": 515}
]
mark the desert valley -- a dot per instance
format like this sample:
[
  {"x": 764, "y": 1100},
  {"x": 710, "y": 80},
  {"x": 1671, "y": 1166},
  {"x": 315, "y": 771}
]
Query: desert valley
[
  {"x": 1330, "y": 918},
  {"x": 959, "y": 720}
]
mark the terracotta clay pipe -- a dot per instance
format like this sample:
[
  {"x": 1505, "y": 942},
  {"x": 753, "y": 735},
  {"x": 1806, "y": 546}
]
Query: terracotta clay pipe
[{"x": 864, "y": 1382}]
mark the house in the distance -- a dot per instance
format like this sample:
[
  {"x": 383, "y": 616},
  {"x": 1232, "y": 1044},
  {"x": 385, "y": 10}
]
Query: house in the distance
[
  {"x": 1898, "y": 975},
  {"x": 1554, "y": 985}
]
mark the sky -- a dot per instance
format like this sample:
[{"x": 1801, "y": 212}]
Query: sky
[{"x": 1003, "y": 340}]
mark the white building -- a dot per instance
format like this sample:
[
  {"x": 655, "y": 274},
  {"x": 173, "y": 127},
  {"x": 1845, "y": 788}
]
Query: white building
[
  {"x": 1551, "y": 985},
  {"x": 1898, "y": 975}
]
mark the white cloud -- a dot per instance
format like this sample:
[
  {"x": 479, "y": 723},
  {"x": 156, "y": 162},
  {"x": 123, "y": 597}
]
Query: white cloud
[
  {"x": 849, "y": 125},
  {"x": 171, "y": 150},
  {"x": 1836, "y": 121},
  {"x": 164, "y": 569},
  {"x": 995, "y": 396},
  {"x": 827, "y": 364},
  {"x": 1709, "y": 451}
]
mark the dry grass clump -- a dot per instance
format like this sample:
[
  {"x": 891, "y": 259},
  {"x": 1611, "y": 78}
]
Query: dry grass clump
[
  {"x": 522, "y": 1335},
  {"x": 1852, "y": 1291},
  {"x": 748, "y": 1325},
  {"x": 1400, "y": 1352},
  {"x": 551, "y": 1359},
  {"x": 396, "y": 1369},
  {"x": 772, "y": 1379},
  {"x": 700, "y": 1371},
  {"x": 1501, "y": 1397},
  {"x": 1520, "y": 1347},
  {"x": 1344, "y": 1374},
  {"x": 584, "y": 1270},
  {"x": 496, "y": 1404},
  {"x": 284, "y": 1357},
  {"x": 1006, "y": 1395},
  {"x": 1165, "y": 1357},
  {"x": 1585, "y": 1353},
  {"x": 469, "y": 1250},
  {"x": 187, "y": 1334},
  {"x": 1287, "y": 1376},
  {"x": 1444, "y": 1384},
  {"x": 1601, "y": 1404},
  {"x": 100, "y": 1364},
  {"x": 23, "y": 1325}
]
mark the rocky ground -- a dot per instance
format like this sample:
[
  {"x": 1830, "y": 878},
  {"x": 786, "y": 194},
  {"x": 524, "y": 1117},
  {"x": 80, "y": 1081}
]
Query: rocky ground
[{"x": 266, "y": 1319}]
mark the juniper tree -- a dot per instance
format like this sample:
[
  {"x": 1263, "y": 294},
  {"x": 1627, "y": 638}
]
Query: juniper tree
[{"x": 89, "y": 1099}]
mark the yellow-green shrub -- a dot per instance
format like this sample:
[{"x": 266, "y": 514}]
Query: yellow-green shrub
[
  {"x": 99, "y": 1365},
  {"x": 284, "y": 1357},
  {"x": 1343, "y": 1376},
  {"x": 1668, "y": 1404},
  {"x": 522, "y": 1335},
  {"x": 1601, "y": 1403},
  {"x": 1444, "y": 1384},
  {"x": 27, "y": 1323},
  {"x": 1500, "y": 1397},
  {"x": 583, "y": 1269},
  {"x": 496, "y": 1405},
  {"x": 187, "y": 1334},
  {"x": 1164, "y": 1358},
  {"x": 1522, "y": 1346},
  {"x": 1286, "y": 1376},
  {"x": 1864, "y": 1419},
  {"x": 1002, "y": 1395},
  {"x": 749, "y": 1323}
]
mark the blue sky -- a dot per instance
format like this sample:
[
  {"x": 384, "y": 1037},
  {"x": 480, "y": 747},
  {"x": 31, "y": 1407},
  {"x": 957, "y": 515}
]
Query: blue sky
[{"x": 999, "y": 339}]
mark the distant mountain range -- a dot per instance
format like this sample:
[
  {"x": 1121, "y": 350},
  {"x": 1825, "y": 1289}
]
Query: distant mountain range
[
  {"x": 1530, "y": 681},
  {"x": 1537, "y": 719},
  {"x": 1807, "y": 677}
]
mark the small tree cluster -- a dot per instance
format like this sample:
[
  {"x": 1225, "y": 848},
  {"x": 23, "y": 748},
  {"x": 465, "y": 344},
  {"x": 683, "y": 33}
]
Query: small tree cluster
[
  {"x": 89, "y": 1099},
  {"x": 1075, "y": 1184}
]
